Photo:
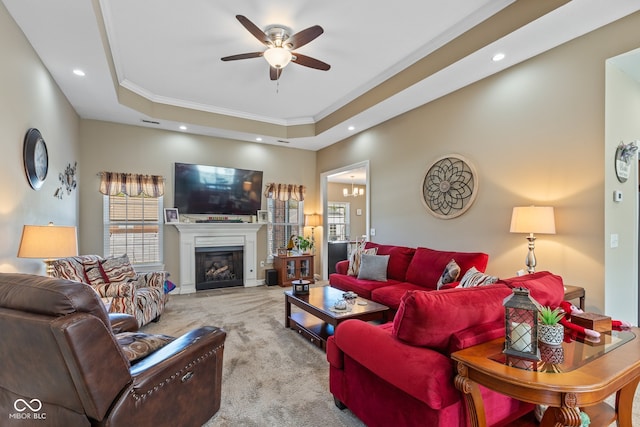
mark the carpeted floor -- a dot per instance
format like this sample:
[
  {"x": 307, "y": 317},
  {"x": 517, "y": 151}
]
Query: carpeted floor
[{"x": 271, "y": 376}]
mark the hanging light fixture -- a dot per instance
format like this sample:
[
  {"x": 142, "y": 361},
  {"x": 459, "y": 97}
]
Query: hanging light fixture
[
  {"x": 278, "y": 57},
  {"x": 355, "y": 191}
]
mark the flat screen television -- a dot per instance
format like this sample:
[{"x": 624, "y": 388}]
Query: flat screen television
[{"x": 201, "y": 189}]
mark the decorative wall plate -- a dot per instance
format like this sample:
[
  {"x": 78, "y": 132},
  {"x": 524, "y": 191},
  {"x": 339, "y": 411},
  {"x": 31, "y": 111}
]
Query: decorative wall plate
[
  {"x": 449, "y": 187},
  {"x": 36, "y": 158}
]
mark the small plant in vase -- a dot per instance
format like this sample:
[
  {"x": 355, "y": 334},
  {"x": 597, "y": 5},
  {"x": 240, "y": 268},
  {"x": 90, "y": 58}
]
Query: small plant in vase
[
  {"x": 550, "y": 331},
  {"x": 305, "y": 244}
]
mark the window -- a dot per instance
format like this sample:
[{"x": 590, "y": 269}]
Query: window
[
  {"x": 286, "y": 219},
  {"x": 133, "y": 226},
  {"x": 338, "y": 220}
]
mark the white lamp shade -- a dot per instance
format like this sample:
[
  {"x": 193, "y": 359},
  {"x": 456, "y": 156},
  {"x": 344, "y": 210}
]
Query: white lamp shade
[
  {"x": 533, "y": 219},
  {"x": 277, "y": 57},
  {"x": 312, "y": 220},
  {"x": 48, "y": 242}
]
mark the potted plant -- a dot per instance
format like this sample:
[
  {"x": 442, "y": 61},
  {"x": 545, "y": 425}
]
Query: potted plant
[
  {"x": 550, "y": 331},
  {"x": 305, "y": 244}
]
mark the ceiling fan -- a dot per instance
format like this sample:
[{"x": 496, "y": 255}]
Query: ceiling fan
[{"x": 280, "y": 45}]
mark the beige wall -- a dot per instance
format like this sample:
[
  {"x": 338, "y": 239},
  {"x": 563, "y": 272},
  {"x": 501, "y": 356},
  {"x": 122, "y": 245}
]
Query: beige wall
[
  {"x": 358, "y": 223},
  {"x": 535, "y": 134},
  {"x": 622, "y": 125},
  {"x": 30, "y": 98},
  {"x": 121, "y": 148}
]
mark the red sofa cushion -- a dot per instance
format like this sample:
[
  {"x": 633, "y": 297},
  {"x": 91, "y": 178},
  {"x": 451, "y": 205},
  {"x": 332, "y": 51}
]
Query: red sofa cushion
[
  {"x": 429, "y": 319},
  {"x": 362, "y": 287},
  {"x": 399, "y": 259},
  {"x": 392, "y": 295},
  {"x": 545, "y": 287},
  {"x": 427, "y": 265}
]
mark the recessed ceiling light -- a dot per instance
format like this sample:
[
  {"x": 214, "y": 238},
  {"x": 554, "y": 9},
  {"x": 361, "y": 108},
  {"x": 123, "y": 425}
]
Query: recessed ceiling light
[
  {"x": 351, "y": 128},
  {"x": 78, "y": 72},
  {"x": 183, "y": 127},
  {"x": 259, "y": 139},
  {"x": 498, "y": 57}
]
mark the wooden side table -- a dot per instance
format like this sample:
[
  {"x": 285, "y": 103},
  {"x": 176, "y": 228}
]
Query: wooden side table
[
  {"x": 573, "y": 292},
  {"x": 588, "y": 374}
]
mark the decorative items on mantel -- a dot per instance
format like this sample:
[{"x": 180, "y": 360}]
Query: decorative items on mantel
[{"x": 450, "y": 187}]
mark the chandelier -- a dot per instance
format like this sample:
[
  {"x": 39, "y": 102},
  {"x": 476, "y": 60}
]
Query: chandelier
[{"x": 355, "y": 191}]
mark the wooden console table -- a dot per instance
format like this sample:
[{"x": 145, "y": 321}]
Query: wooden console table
[
  {"x": 295, "y": 267},
  {"x": 587, "y": 375}
]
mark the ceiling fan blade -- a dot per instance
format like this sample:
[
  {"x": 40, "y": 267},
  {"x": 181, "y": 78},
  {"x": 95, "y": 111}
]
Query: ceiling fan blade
[
  {"x": 242, "y": 56},
  {"x": 275, "y": 73},
  {"x": 254, "y": 29},
  {"x": 310, "y": 62},
  {"x": 303, "y": 37}
]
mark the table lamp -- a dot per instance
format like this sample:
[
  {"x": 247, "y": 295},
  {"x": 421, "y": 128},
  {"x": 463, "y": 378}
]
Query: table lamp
[
  {"x": 532, "y": 219},
  {"x": 48, "y": 242},
  {"x": 313, "y": 221}
]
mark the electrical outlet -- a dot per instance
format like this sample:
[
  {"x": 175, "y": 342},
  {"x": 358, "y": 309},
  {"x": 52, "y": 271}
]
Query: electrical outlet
[
  {"x": 373, "y": 232},
  {"x": 262, "y": 263}
]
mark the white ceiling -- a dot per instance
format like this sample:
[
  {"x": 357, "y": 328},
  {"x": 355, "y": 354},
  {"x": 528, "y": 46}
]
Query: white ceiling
[{"x": 169, "y": 53}]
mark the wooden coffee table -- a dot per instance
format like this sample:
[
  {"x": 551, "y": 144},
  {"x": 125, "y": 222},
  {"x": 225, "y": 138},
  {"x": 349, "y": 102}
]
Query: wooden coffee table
[
  {"x": 317, "y": 321},
  {"x": 587, "y": 374}
]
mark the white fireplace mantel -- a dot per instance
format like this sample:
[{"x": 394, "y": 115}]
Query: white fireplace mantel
[{"x": 197, "y": 235}]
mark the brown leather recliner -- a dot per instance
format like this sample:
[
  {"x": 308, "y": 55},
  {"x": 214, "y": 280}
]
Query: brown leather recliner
[{"x": 60, "y": 363}]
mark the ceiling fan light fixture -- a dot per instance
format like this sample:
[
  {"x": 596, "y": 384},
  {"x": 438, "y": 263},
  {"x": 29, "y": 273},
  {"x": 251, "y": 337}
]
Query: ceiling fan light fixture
[{"x": 278, "y": 57}]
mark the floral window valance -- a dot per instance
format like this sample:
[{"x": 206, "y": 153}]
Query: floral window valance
[
  {"x": 131, "y": 184},
  {"x": 285, "y": 192}
]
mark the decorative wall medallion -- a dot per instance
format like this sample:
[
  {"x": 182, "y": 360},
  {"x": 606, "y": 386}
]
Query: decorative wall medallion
[
  {"x": 449, "y": 187},
  {"x": 624, "y": 153},
  {"x": 36, "y": 158}
]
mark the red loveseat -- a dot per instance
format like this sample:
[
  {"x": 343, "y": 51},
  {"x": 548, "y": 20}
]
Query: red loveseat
[
  {"x": 401, "y": 373},
  {"x": 408, "y": 269}
]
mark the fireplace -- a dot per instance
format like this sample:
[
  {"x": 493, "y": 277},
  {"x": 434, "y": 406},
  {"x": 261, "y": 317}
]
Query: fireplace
[
  {"x": 217, "y": 235},
  {"x": 219, "y": 267}
]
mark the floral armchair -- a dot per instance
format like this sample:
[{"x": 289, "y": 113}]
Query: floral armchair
[{"x": 139, "y": 294}]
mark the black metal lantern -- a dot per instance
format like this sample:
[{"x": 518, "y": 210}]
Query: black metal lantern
[{"x": 521, "y": 325}]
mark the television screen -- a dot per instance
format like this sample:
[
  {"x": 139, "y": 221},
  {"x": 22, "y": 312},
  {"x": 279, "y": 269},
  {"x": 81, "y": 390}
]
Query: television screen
[{"x": 216, "y": 190}]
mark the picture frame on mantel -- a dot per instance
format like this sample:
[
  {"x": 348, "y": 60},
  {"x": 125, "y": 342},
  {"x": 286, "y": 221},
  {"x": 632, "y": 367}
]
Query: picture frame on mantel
[
  {"x": 171, "y": 216},
  {"x": 263, "y": 217}
]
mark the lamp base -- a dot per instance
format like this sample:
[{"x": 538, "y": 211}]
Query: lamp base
[
  {"x": 49, "y": 267},
  {"x": 530, "y": 260}
]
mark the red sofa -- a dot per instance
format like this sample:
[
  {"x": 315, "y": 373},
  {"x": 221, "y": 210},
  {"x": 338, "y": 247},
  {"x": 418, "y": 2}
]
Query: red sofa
[
  {"x": 401, "y": 373},
  {"x": 409, "y": 269}
]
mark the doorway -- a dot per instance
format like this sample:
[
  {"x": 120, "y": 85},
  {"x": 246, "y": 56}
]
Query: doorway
[{"x": 344, "y": 180}]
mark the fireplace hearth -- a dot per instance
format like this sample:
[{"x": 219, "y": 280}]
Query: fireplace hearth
[{"x": 219, "y": 267}]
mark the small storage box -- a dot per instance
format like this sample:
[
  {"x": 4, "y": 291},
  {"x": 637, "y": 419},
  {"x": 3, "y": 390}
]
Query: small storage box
[{"x": 597, "y": 322}]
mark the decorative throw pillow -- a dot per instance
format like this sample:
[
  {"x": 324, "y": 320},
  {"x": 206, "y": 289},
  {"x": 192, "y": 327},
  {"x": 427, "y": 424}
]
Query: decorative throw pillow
[
  {"x": 354, "y": 259},
  {"x": 373, "y": 267},
  {"x": 137, "y": 345},
  {"x": 118, "y": 269},
  {"x": 475, "y": 278},
  {"x": 93, "y": 273},
  {"x": 450, "y": 274}
]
